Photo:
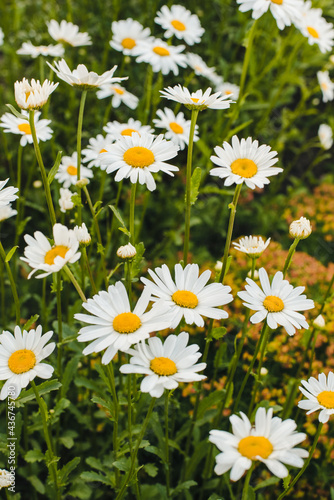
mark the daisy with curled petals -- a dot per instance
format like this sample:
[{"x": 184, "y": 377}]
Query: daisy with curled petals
[
  {"x": 161, "y": 56},
  {"x": 199, "y": 66},
  {"x": 115, "y": 129},
  {"x": 245, "y": 161},
  {"x": 33, "y": 95},
  {"x": 138, "y": 156},
  {"x": 96, "y": 146},
  {"x": 165, "y": 364},
  {"x": 112, "y": 324},
  {"x": 271, "y": 441},
  {"x": 42, "y": 256},
  {"x": 20, "y": 358},
  {"x": 253, "y": 246},
  {"x": 178, "y": 128},
  {"x": 320, "y": 396},
  {"x": 198, "y": 99},
  {"x": 67, "y": 174},
  {"x": 277, "y": 302},
  {"x": 14, "y": 125},
  {"x": 66, "y": 32},
  {"x": 326, "y": 85},
  {"x": 28, "y": 49},
  {"x": 317, "y": 30},
  {"x": 286, "y": 12},
  {"x": 126, "y": 35},
  {"x": 189, "y": 296},
  {"x": 6, "y": 212},
  {"x": 180, "y": 22},
  {"x": 7, "y": 195},
  {"x": 118, "y": 95}
]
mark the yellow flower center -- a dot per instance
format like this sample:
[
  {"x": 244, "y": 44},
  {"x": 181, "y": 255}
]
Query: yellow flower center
[
  {"x": 312, "y": 32},
  {"x": 27, "y": 94},
  {"x": 273, "y": 304},
  {"x": 24, "y": 127},
  {"x": 103, "y": 151},
  {"x": 228, "y": 92},
  {"x": 178, "y": 25},
  {"x": 126, "y": 323},
  {"x": 255, "y": 446},
  {"x": 244, "y": 167},
  {"x": 278, "y": 2},
  {"x": 326, "y": 399},
  {"x": 138, "y": 157},
  {"x": 176, "y": 128},
  {"x": 118, "y": 91},
  {"x": 324, "y": 86},
  {"x": 21, "y": 361},
  {"x": 184, "y": 298},
  {"x": 161, "y": 51},
  {"x": 58, "y": 250},
  {"x": 194, "y": 99},
  {"x": 72, "y": 170},
  {"x": 128, "y": 43},
  {"x": 128, "y": 131},
  {"x": 163, "y": 366}
]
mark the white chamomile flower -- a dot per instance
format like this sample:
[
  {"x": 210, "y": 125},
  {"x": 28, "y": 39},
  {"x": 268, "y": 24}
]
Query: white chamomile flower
[
  {"x": 270, "y": 441},
  {"x": 320, "y": 394},
  {"x": 14, "y": 125},
  {"x": 20, "y": 358},
  {"x": 115, "y": 129},
  {"x": 67, "y": 174},
  {"x": 161, "y": 56},
  {"x": 81, "y": 77},
  {"x": 317, "y": 30},
  {"x": 96, "y": 147},
  {"x": 178, "y": 128},
  {"x": 196, "y": 100},
  {"x": 28, "y": 49},
  {"x": 6, "y": 212},
  {"x": 82, "y": 234},
  {"x": 126, "y": 35},
  {"x": 2, "y": 36},
  {"x": 7, "y": 195},
  {"x": 42, "y": 256},
  {"x": 66, "y": 32},
  {"x": 180, "y": 22},
  {"x": 189, "y": 296},
  {"x": 286, "y": 12},
  {"x": 199, "y": 66},
  {"x": 253, "y": 246},
  {"x": 229, "y": 89},
  {"x": 277, "y": 302},
  {"x": 138, "y": 156},
  {"x": 245, "y": 161},
  {"x": 165, "y": 364},
  {"x": 326, "y": 85},
  {"x": 6, "y": 478},
  {"x": 118, "y": 95},
  {"x": 325, "y": 134},
  {"x": 33, "y": 95},
  {"x": 65, "y": 200},
  {"x": 112, "y": 324}
]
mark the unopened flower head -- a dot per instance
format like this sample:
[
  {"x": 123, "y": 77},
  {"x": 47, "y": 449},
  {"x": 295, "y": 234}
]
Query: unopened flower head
[
  {"x": 325, "y": 134},
  {"x": 118, "y": 95},
  {"x": 300, "y": 228},
  {"x": 116, "y": 129},
  {"x": 161, "y": 56},
  {"x": 196, "y": 100},
  {"x": 7, "y": 195},
  {"x": 127, "y": 33},
  {"x": 126, "y": 251},
  {"x": 6, "y": 478},
  {"x": 6, "y": 212},
  {"x": 319, "y": 322},
  {"x": 28, "y": 49},
  {"x": 66, "y": 32},
  {"x": 82, "y": 234},
  {"x": 33, "y": 95},
  {"x": 320, "y": 396},
  {"x": 286, "y": 12},
  {"x": 326, "y": 85},
  {"x": 65, "y": 200},
  {"x": 14, "y": 125},
  {"x": 254, "y": 246},
  {"x": 178, "y": 128},
  {"x": 255, "y": 274}
]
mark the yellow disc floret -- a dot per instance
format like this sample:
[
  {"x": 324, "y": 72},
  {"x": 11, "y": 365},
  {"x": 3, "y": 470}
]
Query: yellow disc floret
[
  {"x": 278, "y": 2},
  {"x": 56, "y": 251},
  {"x": 118, "y": 91},
  {"x": 72, "y": 170},
  {"x": 273, "y": 304},
  {"x": 21, "y": 361},
  {"x": 129, "y": 131},
  {"x": 178, "y": 25},
  {"x": 255, "y": 446},
  {"x": 161, "y": 51},
  {"x": 312, "y": 32},
  {"x": 138, "y": 157},
  {"x": 127, "y": 322},
  {"x": 163, "y": 366},
  {"x": 244, "y": 167},
  {"x": 128, "y": 43},
  {"x": 103, "y": 151},
  {"x": 24, "y": 127},
  {"x": 176, "y": 128},
  {"x": 184, "y": 298},
  {"x": 326, "y": 399}
]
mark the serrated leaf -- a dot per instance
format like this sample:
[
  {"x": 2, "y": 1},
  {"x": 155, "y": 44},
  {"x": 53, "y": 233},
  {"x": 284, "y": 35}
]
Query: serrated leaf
[
  {"x": 34, "y": 456},
  {"x": 11, "y": 253},
  {"x": 67, "y": 469},
  {"x": 209, "y": 401},
  {"x": 195, "y": 183},
  {"x": 218, "y": 333},
  {"x": 105, "y": 404},
  {"x": 122, "y": 464},
  {"x": 61, "y": 405},
  {"x": 55, "y": 168},
  {"x": 151, "y": 469},
  {"x": 91, "y": 476},
  {"x": 44, "y": 388},
  {"x": 30, "y": 321},
  {"x": 17, "y": 113},
  {"x": 183, "y": 486},
  {"x": 95, "y": 463},
  {"x": 100, "y": 249}
]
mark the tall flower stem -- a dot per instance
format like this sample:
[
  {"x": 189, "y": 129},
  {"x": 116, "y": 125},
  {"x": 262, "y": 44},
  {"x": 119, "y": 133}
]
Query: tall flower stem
[
  {"x": 288, "y": 260},
  {"x": 258, "y": 377},
  {"x": 18, "y": 185},
  {"x": 132, "y": 213},
  {"x": 12, "y": 285},
  {"x": 167, "y": 446},
  {"x": 112, "y": 387},
  {"x": 42, "y": 168},
  {"x": 60, "y": 326},
  {"x": 194, "y": 115},
  {"x": 90, "y": 274},
  {"x": 79, "y": 135},
  {"x": 148, "y": 87},
  {"x": 246, "y": 484},
  {"x": 75, "y": 283}
]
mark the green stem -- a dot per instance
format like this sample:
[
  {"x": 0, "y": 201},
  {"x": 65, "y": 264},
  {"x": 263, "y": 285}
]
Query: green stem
[
  {"x": 60, "y": 327},
  {"x": 132, "y": 213},
  {"x": 288, "y": 260},
  {"x": 75, "y": 283},
  {"x": 167, "y": 446},
  {"x": 79, "y": 135},
  {"x": 246, "y": 484},
  {"x": 247, "y": 59},
  {"x": 90, "y": 274},
  {"x": 18, "y": 185},
  {"x": 112, "y": 387},
  {"x": 148, "y": 88},
  {"x": 258, "y": 377},
  {"x": 12, "y": 285},
  {"x": 41, "y": 69}
]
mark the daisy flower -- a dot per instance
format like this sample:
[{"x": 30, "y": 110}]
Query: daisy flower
[
  {"x": 112, "y": 324},
  {"x": 161, "y": 56},
  {"x": 2, "y": 36},
  {"x": 67, "y": 174},
  {"x": 81, "y": 77},
  {"x": 270, "y": 441},
  {"x": 198, "y": 99},
  {"x": 41, "y": 256},
  {"x": 121, "y": 40},
  {"x": 180, "y": 22},
  {"x": 326, "y": 85},
  {"x": 6, "y": 478},
  {"x": 7, "y": 195},
  {"x": 317, "y": 30},
  {"x": 14, "y": 125},
  {"x": 96, "y": 146},
  {"x": 300, "y": 228},
  {"x": 165, "y": 364},
  {"x": 189, "y": 296},
  {"x": 115, "y": 129},
  {"x": 230, "y": 89},
  {"x": 277, "y": 302},
  {"x": 286, "y": 12},
  {"x": 20, "y": 358},
  {"x": 137, "y": 157},
  {"x": 199, "y": 66},
  {"x": 68, "y": 33},
  {"x": 325, "y": 134},
  {"x": 6, "y": 212},
  {"x": 320, "y": 396},
  {"x": 28, "y": 49},
  {"x": 253, "y": 246},
  {"x": 178, "y": 128},
  {"x": 118, "y": 95},
  {"x": 245, "y": 161},
  {"x": 65, "y": 200},
  {"x": 33, "y": 95}
]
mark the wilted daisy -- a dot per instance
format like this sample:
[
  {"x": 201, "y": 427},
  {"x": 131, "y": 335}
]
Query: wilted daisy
[
  {"x": 14, "y": 125},
  {"x": 138, "y": 156},
  {"x": 189, "y": 296},
  {"x": 42, "y": 256},
  {"x": 253, "y": 246},
  {"x": 28, "y": 49},
  {"x": 7, "y": 195},
  {"x": 96, "y": 146},
  {"x": 115, "y": 129},
  {"x": 33, "y": 95},
  {"x": 165, "y": 364},
  {"x": 6, "y": 212},
  {"x": 300, "y": 228},
  {"x": 178, "y": 128},
  {"x": 320, "y": 394},
  {"x": 270, "y": 441},
  {"x": 199, "y": 66},
  {"x": 126, "y": 35},
  {"x": 118, "y": 95},
  {"x": 180, "y": 22},
  {"x": 198, "y": 99},
  {"x": 68, "y": 33},
  {"x": 82, "y": 234},
  {"x": 81, "y": 77},
  {"x": 286, "y": 12},
  {"x": 229, "y": 89},
  {"x": 317, "y": 30},
  {"x": 277, "y": 302},
  {"x": 67, "y": 173},
  {"x": 112, "y": 324},
  {"x": 325, "y": 134},
  {"x": 161, "y": 56},
  {"x": 65, "y": 200},
  {"x": 245, "y": 161},
  {"x": 20, "y": 358},
  {"x": 6, "y": 478}
]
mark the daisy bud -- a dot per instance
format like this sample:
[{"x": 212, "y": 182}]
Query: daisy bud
[
  {"x": 126, "y": 252},
  {"x": 319, "y": 321},
  {"x": 65, "y": 200},
  {"x": 82, "y": 183},
  {"x": 37, "y": 184},
  {"x": 264, "y": 371},
  {"x": 256, "y": 274},
  {"x": 300, "y": 228},
  {"x": 218, "y": 265},
  {"x": 82, "y": 234}
]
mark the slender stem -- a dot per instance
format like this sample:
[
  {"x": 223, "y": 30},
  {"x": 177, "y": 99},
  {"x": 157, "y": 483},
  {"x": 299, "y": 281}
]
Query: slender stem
[
  {"x": 60, "y": 327},
  {"x": 167, "y": 446},
  {"x": 148, "y": 87},
  {"x": 258, "y": 377},
  {"x": 79, "y": 135},
  {"x": 246, "y": 59},
  {"x": 132, "y": 213},
  {"x": 246, "y": 484},
  {"x": 41, "y": 69},
  {"x": 112, "y": 386},
  {"x": 288, "y": 260},
  {"x": 18, "y": 185},
  {"x": 90, "y": 274},
  {"x": 12, "y": 285},
  {"x": 312, "y": 353},
  {"x": 75, "y": 283}
]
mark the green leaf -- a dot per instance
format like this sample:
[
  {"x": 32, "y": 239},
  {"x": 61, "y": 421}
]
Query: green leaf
[
  {"x": 136, "y": 264},
  {"x": 118, "y": 216},
  {"x": 108, "y": 405},
  {"x": 34, "y": 456},
  {"x": 100, "y": 249},
  {"x": 17, "y": 113},
  {"x": 125, "y": 231},
  {"x": 267, "y": 482},
  {"x": 183, "y": 486},
  {"x": 61, "y": 405},
  {"x": 45, "y": 388},
  {"x": 218, "y": 333},
  {"x": 37, "y": 484},
  {"x": 69, "y": 372},
  {"x": 11, "y": 253},
  {"x": 332, "y": 493},
  {"x": 195, "y": 183},
  {"x": 95, "y": 463},
  {"x": 286, "y": 481},
  {"x": 67, "y": 440},
  {"x": 30, "y": 322},
  {"x": 151, "y": 469},
  {"x": 209, "y": 401},
  {"x": 67, "y": 469},
  {"x": 122, "y": 464},
  {"x": 55, "y": 167},
  {"x": 251, "y": 494},
  {"x": 90, "y": 476}
]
